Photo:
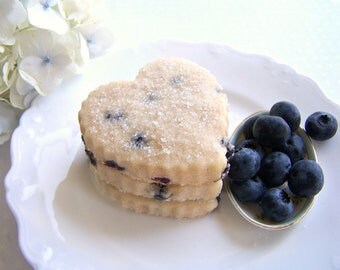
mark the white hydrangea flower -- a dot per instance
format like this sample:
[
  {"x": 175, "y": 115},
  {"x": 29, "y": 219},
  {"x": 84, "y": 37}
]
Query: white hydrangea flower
[
  {"x": 9, "y": 69},
  {"x": 22, "y": 94},
  {"x": 4, "y": 56},
  {"x": 99, "y": 39},
  {"x": 2, "y": 52},
  {"x": 82, "y": 54},
  {"x": 46, "y": 59},
  {"x": 43, "y": 14},
  {"x": 8, "y": 120},
  {"x": 12, "y": 15},
  {"x": 3, "y": 86},
  {"x": 79, "y": 11}
]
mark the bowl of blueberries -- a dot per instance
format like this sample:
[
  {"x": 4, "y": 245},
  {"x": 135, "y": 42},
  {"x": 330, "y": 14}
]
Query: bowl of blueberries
[{"x": 273, "y": 176}]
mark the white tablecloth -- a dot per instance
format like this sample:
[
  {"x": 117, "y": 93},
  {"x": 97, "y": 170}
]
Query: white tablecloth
[{"x": 304, "y": 34}]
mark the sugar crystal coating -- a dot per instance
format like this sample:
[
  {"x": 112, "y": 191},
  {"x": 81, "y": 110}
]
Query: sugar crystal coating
[{"x": 172, "y": 125}]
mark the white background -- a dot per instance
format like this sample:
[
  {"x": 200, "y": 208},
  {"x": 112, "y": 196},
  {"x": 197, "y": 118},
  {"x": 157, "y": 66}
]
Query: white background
[{"x": 304, "y": 34}]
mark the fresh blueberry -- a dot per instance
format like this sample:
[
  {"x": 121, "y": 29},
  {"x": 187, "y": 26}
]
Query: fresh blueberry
[
  {"x": 274, "y": 168},
  {"x": 276, "y": 204},
  {"x": 248, "y": 191},
  {"x": 289, "y": 112},
  {"x": 321, "y": 126},
  {"x": 306, "y": 178},
  {"x": 271, "y": 131},
  {"x": 248, "y": 127},
  {"x": 252, "y": 144},
  {"x": 294, "y": 147},
  {"x": 244, "y": 164}
]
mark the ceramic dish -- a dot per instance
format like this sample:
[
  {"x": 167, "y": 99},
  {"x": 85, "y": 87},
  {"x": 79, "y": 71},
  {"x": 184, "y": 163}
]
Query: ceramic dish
[
  {"x": 65, "y": 224},
  {"x": 250, "y": 211}
]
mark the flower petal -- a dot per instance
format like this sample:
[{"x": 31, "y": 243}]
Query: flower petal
[
  {"x": 16, "y": 99},
  {"x": 43, "y": 16},
  {"x": 75, "y": 10},
  {"x": 23, "y": 87},
  {"x": 78, "y": 45},
  {"x": 9, "y": 73},
  {"x": 22, "y": 94},
  {"x": 81, "y": 11},
  {"x": 34, "y": 42},
  {"x": 28, "y": 99},
  {"x": 99, "y": 39},
  {"x": 8, "y": 120},
  {"x": 12, "y": 15},
  {"x": 39, "y": 42},
  {"x": 5, "y": 53},
  {"x": 45, "y": 76}
]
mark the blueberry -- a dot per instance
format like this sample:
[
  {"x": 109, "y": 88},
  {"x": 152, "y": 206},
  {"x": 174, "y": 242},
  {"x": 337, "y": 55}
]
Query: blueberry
[
  {"x": 274, "y": 168},
  {"x": 252, "y": 144},
  {"x": 276, "y": 204},
  {"x": 271, "y": 131},
  {"x": 162, "y": 180},
  {"x": 150, "y": 97},
  {"x": 139, "y": 140},
  {"x": 114, "y": 115},
  {"x": 306, "y": 178},
  {"x": 160, "y": 192},
  {"x": 114, "y": 164},
  {"x": 294, "y": 147},
  {"x": 244, "y": 164},
  {"x": 248, "y": 127},
  {"x": 321, "y": 126},
  {"x": 176, "y": 80},
  {"x": 289, "y": 112},
  {"x": 248, "y": 191}
]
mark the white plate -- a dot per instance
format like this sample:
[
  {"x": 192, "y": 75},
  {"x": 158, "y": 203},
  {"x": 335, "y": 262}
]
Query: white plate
[{"x": 64, "y": 224}]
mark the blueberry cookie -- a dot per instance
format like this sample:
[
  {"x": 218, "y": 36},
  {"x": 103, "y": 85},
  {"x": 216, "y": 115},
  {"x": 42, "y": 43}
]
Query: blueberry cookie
[
  {"x": 167, "y": 127},
  {"x": 160, "y": 189},
  {"x": 175, "y": 209}
]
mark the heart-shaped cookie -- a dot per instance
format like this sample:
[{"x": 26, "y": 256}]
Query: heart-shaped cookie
[{"x": 168, "y": 125}]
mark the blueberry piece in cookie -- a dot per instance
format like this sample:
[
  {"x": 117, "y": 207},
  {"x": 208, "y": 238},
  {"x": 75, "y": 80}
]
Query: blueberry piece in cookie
[
  {"x": 114, "y": 115},
  {"x": 139, "y": 140},
  {"x": 114, "y": 164},
  {"x": 160, "y": 192},
  {"x": 91, "y": 157},
  {"x": 176, "y": 80},
  {"x": 162, "y": 180},
  {"x": 150, "y": 98}
]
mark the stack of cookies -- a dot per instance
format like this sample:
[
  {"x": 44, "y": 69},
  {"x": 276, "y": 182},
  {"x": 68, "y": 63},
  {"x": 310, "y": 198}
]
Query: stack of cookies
[{"x": 157, "y": 144}]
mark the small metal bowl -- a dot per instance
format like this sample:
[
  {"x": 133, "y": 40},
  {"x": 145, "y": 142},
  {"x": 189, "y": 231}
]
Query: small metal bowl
[{"x": 251, "y": 211}]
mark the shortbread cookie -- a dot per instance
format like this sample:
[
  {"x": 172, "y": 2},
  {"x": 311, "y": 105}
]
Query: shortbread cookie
[
  {"x": 186, "y": 209},
  {"x": 157, "y": 190},
  {"x": 170, "y": 123}
]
